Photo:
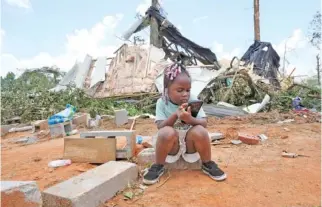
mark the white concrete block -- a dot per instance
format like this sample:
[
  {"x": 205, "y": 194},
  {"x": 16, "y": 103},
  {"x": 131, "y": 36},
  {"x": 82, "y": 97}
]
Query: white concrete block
[
  {"x": 93, "y": 187},
  {"x": 121, "y": 117},
  {"x": 215, "y": 136},
  {"x": 20, "y": 193}
]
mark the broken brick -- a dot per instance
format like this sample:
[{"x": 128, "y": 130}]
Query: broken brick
[{"x": 248, "y": 139}]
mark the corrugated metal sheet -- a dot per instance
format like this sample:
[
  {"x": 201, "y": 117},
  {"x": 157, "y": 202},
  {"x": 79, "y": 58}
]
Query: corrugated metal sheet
[
  {"x": 99, "y": 71},
  {"x": 82, "y": 71}
]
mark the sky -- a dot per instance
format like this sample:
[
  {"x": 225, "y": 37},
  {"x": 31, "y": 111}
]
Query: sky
[{"x": 36, "y": 33}]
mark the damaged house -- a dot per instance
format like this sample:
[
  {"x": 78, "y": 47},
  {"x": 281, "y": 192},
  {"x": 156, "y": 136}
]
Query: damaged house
[{"x": 138, "y": 68}]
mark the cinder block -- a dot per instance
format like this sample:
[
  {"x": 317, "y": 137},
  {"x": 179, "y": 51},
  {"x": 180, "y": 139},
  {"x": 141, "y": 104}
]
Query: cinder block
[
  {"x": 81, "y": 119},
  {"x": 90, "y": 150},
  {"x": 20, "y": 193},
  {"x": 59, "y": 130},
  {"x": 121, "y": 117},
  {"x": 91, "y": 188},
  {"x": 41, "y": 125},
  {"x": 129, "y": 150},
  {"x": 147, "y": 156}
]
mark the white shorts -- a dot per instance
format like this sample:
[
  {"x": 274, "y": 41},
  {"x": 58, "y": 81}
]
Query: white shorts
[{"x": 191, "y": 158}]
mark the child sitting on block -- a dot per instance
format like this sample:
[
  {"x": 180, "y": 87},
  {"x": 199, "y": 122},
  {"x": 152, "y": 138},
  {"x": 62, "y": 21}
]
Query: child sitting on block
[{"x": 180, "y": 134}]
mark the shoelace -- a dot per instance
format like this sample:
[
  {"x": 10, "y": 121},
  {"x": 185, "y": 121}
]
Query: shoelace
[
  {"x": 211, "y": 164},
  {"x": 155, "y": 168}
]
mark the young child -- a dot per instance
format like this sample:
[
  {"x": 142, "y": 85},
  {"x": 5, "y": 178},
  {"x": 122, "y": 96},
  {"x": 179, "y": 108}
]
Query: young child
[{"x": 180, "y": 134}]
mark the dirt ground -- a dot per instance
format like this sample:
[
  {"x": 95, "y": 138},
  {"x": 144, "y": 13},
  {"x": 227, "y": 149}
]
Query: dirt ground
[{"x": 257, "y": 174}]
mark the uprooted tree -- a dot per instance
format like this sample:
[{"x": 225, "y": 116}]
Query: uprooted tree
[{"x": 315, "y": 40}]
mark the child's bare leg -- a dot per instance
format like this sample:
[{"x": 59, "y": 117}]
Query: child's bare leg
[
  {"x": 197, "y": 139},
  {"x": 167, "y": 143}
]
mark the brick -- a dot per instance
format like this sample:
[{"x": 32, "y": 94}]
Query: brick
[
  {"x": 147, "y": 156},
  {"x": 91, "y": 188},
  {"x": 121, "y": 117},
  {"x": 248, "y": 139},
  {"x": 20, "y": 193}
]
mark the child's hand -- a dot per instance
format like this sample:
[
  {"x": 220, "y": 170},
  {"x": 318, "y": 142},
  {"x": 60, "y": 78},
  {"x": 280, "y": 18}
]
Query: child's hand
[{"x": 184, "y": 115}]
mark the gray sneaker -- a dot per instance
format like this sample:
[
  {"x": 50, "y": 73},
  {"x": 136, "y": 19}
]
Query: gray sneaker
[
  {"x": 212, "y": 170},
  {"x": 153, "y": 174}
]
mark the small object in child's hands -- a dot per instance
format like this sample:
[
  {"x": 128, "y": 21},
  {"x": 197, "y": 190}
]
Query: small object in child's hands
[{"x": 195, "y": 107}]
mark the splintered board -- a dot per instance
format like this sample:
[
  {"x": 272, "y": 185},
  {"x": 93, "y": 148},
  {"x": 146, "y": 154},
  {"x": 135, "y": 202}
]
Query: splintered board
[{"x": 90, "y": 150}]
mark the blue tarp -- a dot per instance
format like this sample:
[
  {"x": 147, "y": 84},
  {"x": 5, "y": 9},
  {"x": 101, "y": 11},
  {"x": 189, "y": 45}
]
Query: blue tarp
[{"x": 65, "y": 115}]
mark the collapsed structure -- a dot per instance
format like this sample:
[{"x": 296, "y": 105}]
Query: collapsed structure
[{"x": 139, "y": 68}]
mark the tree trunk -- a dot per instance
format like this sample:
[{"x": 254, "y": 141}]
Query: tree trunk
[{"x": 256, "y": 20}]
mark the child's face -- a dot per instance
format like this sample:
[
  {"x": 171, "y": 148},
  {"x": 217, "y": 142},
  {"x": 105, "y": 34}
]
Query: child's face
[{"x": 179, "y": 90}]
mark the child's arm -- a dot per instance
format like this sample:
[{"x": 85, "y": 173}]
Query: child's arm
[
  {"x": 187, "y": 118},
  {"x": 170, "y": 121},
  {"x": 201, "y": 119},
  {"x": 160, "y": 117},
  {"x": 198, "y": 121}
]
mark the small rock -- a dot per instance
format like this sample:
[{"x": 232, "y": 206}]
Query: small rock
[
  {"x": 284, "y": 137},
  {"x": 262, "y": 137},
  {"x": 236, "y": 142},
  {"x": 36, "y": 159},
  {"x": 287, "y": 129},
  {"x": 143, "y": 187},
  {"x": 216, "y": 142},
  {"x": 36, "y": 178},
  {"x": 215, "y": 136}
]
